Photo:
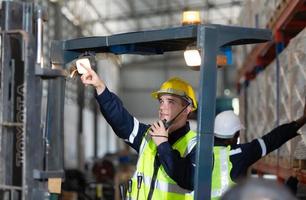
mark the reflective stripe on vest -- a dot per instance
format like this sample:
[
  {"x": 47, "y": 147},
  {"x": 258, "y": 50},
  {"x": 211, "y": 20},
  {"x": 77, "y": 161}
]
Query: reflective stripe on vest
[
  {"x": 221, "y": 179},
  {"x": 164, "y": 187},
  {"x": 190, "y": 146}
]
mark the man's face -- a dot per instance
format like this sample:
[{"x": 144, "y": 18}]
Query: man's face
[{"x": 170, "y": 106}]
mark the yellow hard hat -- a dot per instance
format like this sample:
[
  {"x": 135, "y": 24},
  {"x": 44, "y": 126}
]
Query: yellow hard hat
[{"x": 177, "y": 87}]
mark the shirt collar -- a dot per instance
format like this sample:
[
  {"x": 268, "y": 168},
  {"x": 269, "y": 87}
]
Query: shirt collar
[{"x": 177, "y": 134}]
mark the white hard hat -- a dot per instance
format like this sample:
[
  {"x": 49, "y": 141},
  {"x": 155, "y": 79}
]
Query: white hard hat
[{"x": 227, "y": 123}]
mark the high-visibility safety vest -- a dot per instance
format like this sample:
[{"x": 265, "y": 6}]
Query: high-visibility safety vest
[
  {"x": 156, "y": 184},
  {"x": 221, "y": 179}
]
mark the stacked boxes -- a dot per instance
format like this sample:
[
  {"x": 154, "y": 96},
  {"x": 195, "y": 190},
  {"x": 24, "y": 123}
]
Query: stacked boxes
[
  {"x": 297, "y": 79},
  {"x": 262, "y": 101}
]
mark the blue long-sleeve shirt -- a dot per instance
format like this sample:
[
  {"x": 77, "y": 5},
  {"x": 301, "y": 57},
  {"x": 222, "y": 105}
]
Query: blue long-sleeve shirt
[
  {"x": 127, "y": 127},
  {"x": 242, "y": 156}
]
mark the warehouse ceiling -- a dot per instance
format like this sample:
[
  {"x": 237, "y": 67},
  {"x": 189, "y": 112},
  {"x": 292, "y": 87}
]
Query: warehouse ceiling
[
  {"x": 104, "y": 17},
  {"x": 140, "y": 75}
]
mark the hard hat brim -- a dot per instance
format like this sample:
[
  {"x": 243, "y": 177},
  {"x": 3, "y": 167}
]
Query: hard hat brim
[
  {"x": 168, "y": 91},
  {"x": 156, "y": 95},
  {"x": 229, "y": 135},
  {"x": 224, "y": 136}
]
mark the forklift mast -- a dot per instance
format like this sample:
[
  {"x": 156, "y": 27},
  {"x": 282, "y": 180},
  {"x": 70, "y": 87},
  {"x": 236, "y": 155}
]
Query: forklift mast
[{"x": 30, "y": 142}]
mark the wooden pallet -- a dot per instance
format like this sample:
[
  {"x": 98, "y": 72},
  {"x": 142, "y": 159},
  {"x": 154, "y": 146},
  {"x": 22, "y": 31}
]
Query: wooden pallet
[{"x": 299, "y": 164}]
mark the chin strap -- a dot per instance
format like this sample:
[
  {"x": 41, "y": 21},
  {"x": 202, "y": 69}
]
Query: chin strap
[{"x": 167, "y": 124}]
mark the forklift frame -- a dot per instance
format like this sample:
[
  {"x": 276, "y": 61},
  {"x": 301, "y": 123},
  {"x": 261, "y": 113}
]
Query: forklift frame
[{"x": 209, "y": 39}]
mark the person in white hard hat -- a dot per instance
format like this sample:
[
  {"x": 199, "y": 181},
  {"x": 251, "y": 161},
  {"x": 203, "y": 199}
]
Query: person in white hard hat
[{"x": 232, "y": 160}]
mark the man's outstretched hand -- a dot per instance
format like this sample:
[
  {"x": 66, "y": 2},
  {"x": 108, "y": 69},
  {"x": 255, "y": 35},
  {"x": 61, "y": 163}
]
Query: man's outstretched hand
[{"x": 92, "y": 78}]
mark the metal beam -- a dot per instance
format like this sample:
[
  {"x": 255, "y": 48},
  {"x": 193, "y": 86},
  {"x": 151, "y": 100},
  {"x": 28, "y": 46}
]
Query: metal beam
[
  {"x": 147, "y": 4},
  {"x": 120, "y": 4},
  {"x": 152, "y": 7},
  {"x": 108, "y": 30},
  {"x": 208, "y": 41},
  {"x": 132, "y": 6}
]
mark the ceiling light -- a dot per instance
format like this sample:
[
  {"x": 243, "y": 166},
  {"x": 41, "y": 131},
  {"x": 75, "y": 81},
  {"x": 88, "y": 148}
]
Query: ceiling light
[
  {"x": 192, "y": 57},
  {"x": 81, "y": 65}
]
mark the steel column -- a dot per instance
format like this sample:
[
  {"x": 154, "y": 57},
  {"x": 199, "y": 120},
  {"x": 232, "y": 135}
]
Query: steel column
[{"x": 207, "y": 40}]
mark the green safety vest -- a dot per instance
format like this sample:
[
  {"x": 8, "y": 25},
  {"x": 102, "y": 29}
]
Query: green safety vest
[
  {"x": 165, "y": 187},
  {"x": 221, "y": 179}
]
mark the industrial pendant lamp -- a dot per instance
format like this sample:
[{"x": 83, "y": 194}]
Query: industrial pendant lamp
[
  {"x": 81, "y": 64},
  {"x": 191, "y": 54}
]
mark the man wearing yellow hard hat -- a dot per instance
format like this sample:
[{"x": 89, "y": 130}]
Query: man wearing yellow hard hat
[{"x": 166, "y": 163}]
